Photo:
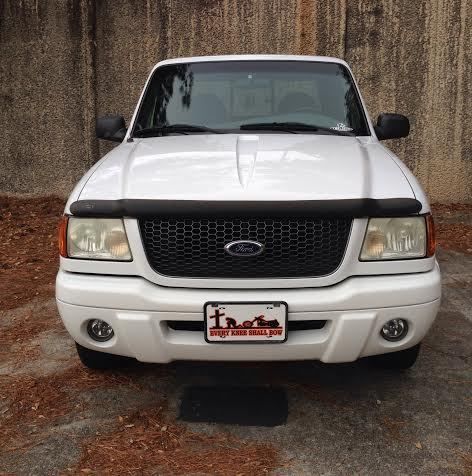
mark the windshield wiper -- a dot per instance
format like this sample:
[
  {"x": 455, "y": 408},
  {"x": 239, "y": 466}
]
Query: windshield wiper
[
  {"x": 293, "y": 127},
  {"x": 174, "y": 128}
]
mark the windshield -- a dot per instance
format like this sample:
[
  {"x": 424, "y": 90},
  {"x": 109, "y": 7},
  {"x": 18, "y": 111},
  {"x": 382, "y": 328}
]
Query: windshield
[{"x": 227, "y": 95}]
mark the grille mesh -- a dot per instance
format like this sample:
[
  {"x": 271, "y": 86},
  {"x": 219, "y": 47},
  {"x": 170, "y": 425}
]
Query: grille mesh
[{"x": 294, "y": 247}]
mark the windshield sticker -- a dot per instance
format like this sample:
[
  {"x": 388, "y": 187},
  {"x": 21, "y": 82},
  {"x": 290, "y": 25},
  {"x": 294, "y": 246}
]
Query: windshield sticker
[{"x": 341, "y": 127}]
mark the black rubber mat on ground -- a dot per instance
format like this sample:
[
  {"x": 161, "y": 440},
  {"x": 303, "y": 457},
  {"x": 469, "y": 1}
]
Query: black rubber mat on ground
[{"x": 247, "y": 406}]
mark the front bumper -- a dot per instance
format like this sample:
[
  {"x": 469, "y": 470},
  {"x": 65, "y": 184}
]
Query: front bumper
[{"x": 354, "y": 309}]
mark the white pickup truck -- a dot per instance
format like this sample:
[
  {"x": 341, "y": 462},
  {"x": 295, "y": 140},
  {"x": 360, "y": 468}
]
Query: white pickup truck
[{"x": 248, "y": 213}]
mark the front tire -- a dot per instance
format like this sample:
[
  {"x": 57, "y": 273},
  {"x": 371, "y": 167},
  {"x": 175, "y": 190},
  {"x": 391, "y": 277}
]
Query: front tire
[
  {"x": 100, "y": 360},
  {"x": 401, "y": 360}
]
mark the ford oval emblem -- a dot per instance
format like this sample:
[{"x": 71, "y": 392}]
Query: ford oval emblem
[{"x": 244, "y": 248}]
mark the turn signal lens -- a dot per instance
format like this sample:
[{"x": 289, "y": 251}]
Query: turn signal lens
[
  {"x": 394, "y": 238},
  {"x": 62, "y": 236},
  {"x": 431, "y": 233}
]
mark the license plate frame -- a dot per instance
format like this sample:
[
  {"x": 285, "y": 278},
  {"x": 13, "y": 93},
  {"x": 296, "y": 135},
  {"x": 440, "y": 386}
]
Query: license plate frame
[{"x": 281, "y": 312}]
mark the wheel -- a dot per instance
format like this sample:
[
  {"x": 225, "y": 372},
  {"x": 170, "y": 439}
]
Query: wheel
[
  {"x": 100, "y": 360},
  {"x": 400, "y": 360}
]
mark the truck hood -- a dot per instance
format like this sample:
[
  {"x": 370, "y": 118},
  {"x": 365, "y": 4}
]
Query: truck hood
[{"x": 248, "y": 167}]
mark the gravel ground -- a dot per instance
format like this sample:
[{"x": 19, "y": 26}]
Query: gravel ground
[{"x": 57, "y": 417}]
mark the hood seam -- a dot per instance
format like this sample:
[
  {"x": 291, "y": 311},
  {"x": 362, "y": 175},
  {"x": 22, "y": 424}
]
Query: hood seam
[{"x": 392, "y": 158}]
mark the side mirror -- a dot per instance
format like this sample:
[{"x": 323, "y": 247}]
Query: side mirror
[
  {"x": 392, "y": 126},
  {"x": 111, "y": 127}
]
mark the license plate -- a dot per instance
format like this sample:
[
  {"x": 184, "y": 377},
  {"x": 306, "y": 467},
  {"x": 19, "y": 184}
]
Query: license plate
[{"x": 261, "y": 322}]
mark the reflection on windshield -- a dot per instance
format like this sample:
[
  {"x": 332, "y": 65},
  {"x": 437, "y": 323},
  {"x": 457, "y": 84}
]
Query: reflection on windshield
[
  {"x": 182, "y": 77},
  {"x": 226, "y": 95}
]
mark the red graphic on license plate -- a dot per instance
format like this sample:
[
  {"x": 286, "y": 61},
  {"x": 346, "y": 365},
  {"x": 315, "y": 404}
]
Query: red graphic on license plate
[{"x": 257, "y": 326}]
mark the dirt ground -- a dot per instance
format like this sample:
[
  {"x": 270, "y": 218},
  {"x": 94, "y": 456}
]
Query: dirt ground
[{"x": 56, "y": 417}]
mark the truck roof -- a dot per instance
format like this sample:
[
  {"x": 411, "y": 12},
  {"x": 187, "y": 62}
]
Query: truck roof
[{"x": 205, "y": 59}]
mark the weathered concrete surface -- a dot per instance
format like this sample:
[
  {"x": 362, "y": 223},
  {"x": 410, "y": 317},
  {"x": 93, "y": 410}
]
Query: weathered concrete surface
[
  {"x": 64, "y": 62},
  {"x": 47, "y": 95}
]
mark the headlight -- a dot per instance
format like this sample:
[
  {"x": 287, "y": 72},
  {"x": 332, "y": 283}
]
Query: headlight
[
  {"x": 395, "y": 238},
  {"x": 97, "y": 238}
]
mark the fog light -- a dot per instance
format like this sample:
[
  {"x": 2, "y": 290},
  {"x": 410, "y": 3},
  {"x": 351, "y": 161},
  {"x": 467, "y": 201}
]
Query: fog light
[
  {"x": 394, "y": 330},
  {"x": 99, "y": 330}
]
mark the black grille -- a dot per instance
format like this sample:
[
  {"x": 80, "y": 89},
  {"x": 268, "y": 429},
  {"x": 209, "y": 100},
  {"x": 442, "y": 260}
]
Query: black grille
[{"x": 294, "y": 247}]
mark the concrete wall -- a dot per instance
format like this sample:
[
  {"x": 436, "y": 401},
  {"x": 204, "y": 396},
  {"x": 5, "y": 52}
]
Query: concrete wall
[{"x": 64, "y": 62}]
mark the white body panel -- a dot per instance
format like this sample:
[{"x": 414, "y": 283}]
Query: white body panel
[
  {"x": 355, "y": 310},
  {"x": 248, "y": 167},
  {"x": 356, "y": 299}
]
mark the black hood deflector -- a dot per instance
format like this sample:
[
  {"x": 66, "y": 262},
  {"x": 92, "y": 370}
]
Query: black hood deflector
[{"x": 356, "y": 208}]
